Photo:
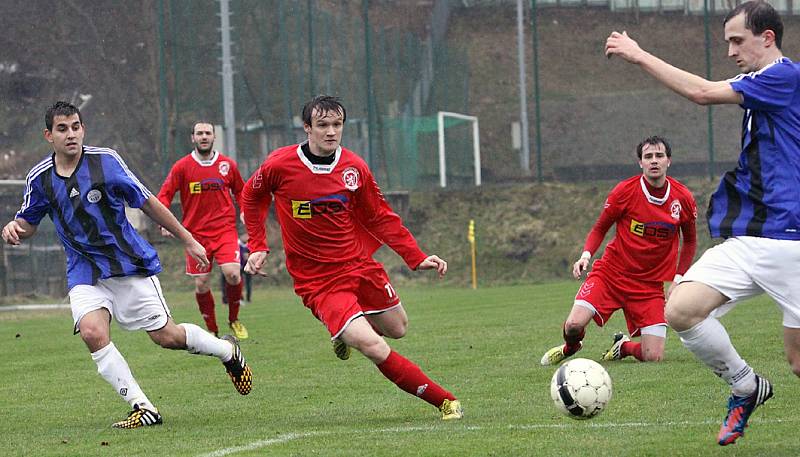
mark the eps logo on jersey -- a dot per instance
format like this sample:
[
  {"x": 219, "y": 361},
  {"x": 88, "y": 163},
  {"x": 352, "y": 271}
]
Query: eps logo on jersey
[
  {"x": 206, "y": 185},
  {"x": 660, "y": 230},
  {"x": 330, "y": 204}
]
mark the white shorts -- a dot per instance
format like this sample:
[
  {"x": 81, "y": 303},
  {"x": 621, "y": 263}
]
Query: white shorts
[
  {"x": 135, "y": 302},
  {"x": 745, "y": 266}
]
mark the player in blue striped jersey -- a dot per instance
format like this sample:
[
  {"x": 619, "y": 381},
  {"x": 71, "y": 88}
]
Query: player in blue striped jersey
[
  {"x": 111, "y": 270},
  {"x": 756, "y": 207}
]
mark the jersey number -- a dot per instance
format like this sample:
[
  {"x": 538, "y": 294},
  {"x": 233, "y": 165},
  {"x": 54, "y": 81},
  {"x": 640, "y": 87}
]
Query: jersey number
[{"x": 390, "y": 290}]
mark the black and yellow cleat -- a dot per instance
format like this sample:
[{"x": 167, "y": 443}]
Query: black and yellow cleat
[
  {"x": 615, "y": 351},
  {"x": 341, "y": 350},
  {"x": 237, "y": 368},
  {"x": 139, "y": 418}
]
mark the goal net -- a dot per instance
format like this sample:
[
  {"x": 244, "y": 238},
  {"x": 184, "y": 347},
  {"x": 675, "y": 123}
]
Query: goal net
[{"x": 430, "y": 151}]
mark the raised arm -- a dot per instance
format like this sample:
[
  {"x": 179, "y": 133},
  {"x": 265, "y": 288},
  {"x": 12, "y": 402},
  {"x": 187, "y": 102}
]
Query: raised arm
[{"x": 693, "y": 87}]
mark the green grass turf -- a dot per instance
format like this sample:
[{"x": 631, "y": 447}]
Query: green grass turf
[{"x": 484, "y": 345}]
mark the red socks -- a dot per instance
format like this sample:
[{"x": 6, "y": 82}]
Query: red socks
[
  {"x": 234, "y": 295},
  {"x": 631, "y": 348},
  {"x": 206, "y": 304},
  {"x": 572, "y": 342},
  {"x": 411, "y": 379}
]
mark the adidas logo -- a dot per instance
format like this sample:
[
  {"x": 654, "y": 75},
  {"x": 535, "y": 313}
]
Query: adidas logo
[{"x": 73, "y": 193}]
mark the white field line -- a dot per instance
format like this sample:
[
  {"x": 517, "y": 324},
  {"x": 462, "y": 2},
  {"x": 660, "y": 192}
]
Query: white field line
[
  {"x": 571, "y": 424},
  {"x": 33, "y": 307}
]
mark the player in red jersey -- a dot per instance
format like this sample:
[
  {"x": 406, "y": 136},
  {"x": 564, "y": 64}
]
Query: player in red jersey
[
  {"x": 648, "y": 210},
  {"x": 206, "y": 179},
  {"x": 333, "y": 217}
]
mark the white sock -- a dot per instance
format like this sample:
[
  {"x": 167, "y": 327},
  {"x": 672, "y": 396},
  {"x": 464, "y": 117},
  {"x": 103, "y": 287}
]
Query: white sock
[
  {"x": 710, "y": 343},
  {"x": 199, "y": 341},
  {"x": 114, "y": 369}
]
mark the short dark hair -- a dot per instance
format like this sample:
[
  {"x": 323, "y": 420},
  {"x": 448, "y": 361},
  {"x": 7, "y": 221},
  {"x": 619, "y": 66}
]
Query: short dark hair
[
  {"x": 323, "y": 104},
  {"x": 653, "y": 141},
  {"x": 60, "y": 108},
  {"x": 194, "y": 126},
  {"x": 759, "y": 16}
]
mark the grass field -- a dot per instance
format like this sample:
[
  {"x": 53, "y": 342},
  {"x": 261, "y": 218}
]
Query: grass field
[{"x": 483, "y": 345}]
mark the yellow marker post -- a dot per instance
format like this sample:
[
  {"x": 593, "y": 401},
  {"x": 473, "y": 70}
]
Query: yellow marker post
[{"x": 471, "y": 238}]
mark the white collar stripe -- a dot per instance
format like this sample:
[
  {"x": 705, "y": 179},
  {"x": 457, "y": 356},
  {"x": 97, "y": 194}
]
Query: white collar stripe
[
  {"x": 205, "y": 163},
  {"x": 318, "y": 168},
  {"x": 652, "y": 199}
]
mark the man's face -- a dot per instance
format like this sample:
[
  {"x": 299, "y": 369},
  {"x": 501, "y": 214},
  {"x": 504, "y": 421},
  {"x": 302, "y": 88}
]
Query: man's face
[
  {"x": 746, "y": 49},
  {"x": 654, "y": 161},
  {"x": 66, "y": 136},
  {"x": 203, "y": 137},
  {"x": 325, "y": 132}
]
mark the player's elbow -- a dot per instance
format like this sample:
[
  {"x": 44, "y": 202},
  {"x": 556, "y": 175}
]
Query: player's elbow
[{"x": 700, "y": 96}]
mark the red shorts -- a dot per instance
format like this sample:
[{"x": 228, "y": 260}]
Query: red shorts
[
  {"x": 224, "y": 248},
  {"x": 642, "y": 302},
  {"x": 344, "y": 296}
]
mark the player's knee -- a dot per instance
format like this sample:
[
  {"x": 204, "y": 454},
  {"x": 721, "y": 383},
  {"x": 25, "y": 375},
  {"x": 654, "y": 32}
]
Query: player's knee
[
  {"x": 677, "y": 317},
  {"x": 233, "y": 278},
  {"x": 95, "y": 337},
  {"x": 395, "y": 331},
  {"x": 374, "y": 349},
  {"x": 652, "y": 356}
]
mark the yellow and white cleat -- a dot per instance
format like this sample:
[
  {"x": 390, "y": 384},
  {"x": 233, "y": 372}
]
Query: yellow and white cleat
[
  {"x": 555, "y": 355},
  {"x": 451, "y": 410}
]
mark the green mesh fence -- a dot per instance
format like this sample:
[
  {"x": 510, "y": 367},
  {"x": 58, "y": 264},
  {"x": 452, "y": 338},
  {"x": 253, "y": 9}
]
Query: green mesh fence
[{"x": 285, "y": 52}]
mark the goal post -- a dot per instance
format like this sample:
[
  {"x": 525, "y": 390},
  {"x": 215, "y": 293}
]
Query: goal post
[{"x": 476, "y": 145}]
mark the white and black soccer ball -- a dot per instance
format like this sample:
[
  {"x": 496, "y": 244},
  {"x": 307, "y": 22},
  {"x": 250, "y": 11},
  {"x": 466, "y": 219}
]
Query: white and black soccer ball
[{"x": 581, "y": 388}]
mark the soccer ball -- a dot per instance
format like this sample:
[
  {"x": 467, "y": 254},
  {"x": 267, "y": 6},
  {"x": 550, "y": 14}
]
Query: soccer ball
[{"x": 581, "y": 388}]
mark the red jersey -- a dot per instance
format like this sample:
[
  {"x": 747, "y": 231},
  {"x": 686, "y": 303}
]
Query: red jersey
[
  {"x": 332, "y": 217},
  {"x": 205, "y": 188},
  {"x": 645, "y": 246}
]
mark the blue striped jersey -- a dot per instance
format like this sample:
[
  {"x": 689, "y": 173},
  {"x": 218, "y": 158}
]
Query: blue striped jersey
[
  {"x": 88, "y": 211},
  {"x": 761, "y": 196}
]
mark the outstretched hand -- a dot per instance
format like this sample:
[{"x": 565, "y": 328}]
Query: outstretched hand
[
  {"x": 620, "y": 44},
  {"x": 254, "y": 263},
  {"x": 434, "y": 262}
]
